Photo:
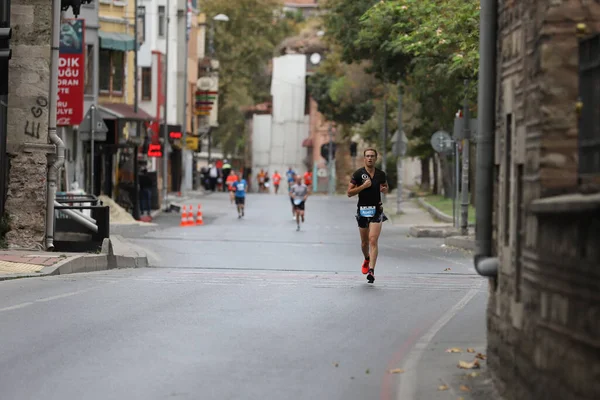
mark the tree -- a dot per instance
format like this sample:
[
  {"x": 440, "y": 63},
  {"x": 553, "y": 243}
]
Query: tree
[
  {"x": 343, "y": 25},
  {"x": 345, "y": 98}
]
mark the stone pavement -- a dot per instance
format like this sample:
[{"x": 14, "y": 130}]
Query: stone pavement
[{"x": 27, "y": 263}]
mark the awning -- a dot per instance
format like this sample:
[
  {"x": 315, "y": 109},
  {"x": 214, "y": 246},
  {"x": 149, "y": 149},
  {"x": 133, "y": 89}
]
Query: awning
[
  {"x": 307, "y": 142},
  {"x": 123, "y": 111},
  {"x": 116, "y": 41}
]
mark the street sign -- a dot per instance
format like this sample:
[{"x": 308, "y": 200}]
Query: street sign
[
  {"x": 191, "y": 143},
  {"x": 85, "y": 128},
  {"x": 441, "y": 142},
  {"x": 459, "y": 128},
  {"x": 206, "y": 83}
]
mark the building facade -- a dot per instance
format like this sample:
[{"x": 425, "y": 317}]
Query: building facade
[{"x": 544, "y": 306}]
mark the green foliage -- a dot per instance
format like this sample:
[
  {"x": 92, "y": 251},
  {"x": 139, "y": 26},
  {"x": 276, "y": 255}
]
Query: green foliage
[
  {"x": 441, "y": 35},
  {"x": 244, "y": 45},
  {"x": 342, "y": 99},
  {"x": 343, "y": 24}
]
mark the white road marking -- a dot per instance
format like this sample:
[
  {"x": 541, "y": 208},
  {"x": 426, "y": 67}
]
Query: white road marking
[{"x": 407, "y": 385}]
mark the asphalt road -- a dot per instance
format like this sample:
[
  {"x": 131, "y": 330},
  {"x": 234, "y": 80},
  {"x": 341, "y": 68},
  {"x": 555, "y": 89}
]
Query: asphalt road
[{"x": 239, "y": 309}]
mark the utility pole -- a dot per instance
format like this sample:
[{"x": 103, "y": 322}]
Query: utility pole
[
  {"x": 5, "y": 55},
  {"x": 185, "y": 102},
  {"x": 136, "y": 179},
  {"x": 384, "y": 134},
  {"x": 464, "y": 212},
  {"x": 166, "y": 124},
  {"x": 92, "y": 144},
  {"x": 330, "y": 162},
  {"x": 399, "y": 153}
]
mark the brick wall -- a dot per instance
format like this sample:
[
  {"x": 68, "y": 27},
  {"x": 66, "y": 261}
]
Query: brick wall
[
  {"x": 544, "y": 313},
  {"x": 28, "y": 121}
]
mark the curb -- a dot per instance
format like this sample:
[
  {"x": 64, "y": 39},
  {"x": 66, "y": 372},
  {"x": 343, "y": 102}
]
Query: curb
[
  {"x": 88, "y": 263},
  {"x": 434, "y": 211},
  {"x": 432, "y": 231},
  {"x": 461, "y": 242}
]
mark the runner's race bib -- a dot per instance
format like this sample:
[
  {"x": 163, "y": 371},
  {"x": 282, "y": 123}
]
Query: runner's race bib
[
  {"x": 297, "y": 201},
  {"x": 240, "y": 187},
  {"x": 367, "y": 212}
]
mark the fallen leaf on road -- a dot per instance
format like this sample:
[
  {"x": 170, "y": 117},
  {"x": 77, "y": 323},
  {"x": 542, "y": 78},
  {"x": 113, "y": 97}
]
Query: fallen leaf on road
[
  {"x": 368, "y": 371},
  {"x": 454, "y": 350},
  {"x": 470, "y": 350},
  {"x": 396, "y": 371},
  {"x": 473, "y": 374},
  {"x": 468, "y": 365},
  {"x": 447, "y": 269},
  {"x": 461, "y": 398},
  {"x": 442, "y": 387},
  {"x": 464, "y": 388},
  {"x": 336, "y": 365},
  {"x": 481, "y": 356}
]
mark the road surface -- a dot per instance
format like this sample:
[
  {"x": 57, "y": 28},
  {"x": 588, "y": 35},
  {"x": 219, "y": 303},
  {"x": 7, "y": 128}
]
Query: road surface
[{"x": 242, "y": 309}]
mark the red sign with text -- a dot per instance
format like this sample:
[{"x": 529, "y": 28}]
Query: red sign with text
[{"x": 71, "y": 73}]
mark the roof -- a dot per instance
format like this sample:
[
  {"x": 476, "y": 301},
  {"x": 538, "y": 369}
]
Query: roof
[{"x": 123, "y": 111}]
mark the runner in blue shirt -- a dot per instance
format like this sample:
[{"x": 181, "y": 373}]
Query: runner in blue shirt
[
  {"x": 291, "y": 178},
  {"x": 240, "y": 187}
]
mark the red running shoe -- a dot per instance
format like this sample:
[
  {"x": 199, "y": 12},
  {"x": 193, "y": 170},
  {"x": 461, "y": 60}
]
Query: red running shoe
[{"x": 365, "y": 267}]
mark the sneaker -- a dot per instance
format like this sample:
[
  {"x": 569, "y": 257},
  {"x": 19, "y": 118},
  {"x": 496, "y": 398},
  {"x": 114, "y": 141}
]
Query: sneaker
[
  {"x": 371, "y": 276},
  {"x": 365, "y": 267}
]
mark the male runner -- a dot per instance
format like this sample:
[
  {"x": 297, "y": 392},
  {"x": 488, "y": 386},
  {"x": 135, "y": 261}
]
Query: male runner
[
  {"x": 240, "y": 196},
  {"x": 299, "y": 194},
  {"x": 368, "y": 183}
]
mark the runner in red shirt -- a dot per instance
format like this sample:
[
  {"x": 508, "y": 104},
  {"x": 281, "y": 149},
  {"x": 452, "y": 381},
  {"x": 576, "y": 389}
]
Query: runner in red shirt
[
  {"x": 308, "y": 179},
  {"x": 276, "y": 180}
]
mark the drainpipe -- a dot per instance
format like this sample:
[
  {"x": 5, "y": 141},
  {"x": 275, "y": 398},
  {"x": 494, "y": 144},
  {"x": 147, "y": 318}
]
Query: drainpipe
[
  {"x": 485, "y": 264},
  {"x": 54, "y": 138}
]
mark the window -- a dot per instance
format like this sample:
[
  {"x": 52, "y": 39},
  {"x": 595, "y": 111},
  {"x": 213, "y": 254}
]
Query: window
[
  {"x": 112, "y": 71},
  {"x": 589, "y": 94},
  {"x": 161, "y": 21},
  {"x": 141, "y": 20},
  {"x": 146, "y": 83},
  {"x": 89, "y": 70}
]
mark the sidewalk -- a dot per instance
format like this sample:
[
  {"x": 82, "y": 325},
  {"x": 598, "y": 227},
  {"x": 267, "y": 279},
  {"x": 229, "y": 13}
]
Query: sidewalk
[
  {"x": 116, "y": 253},
  {"x": 412, "y": 213},
  {"x": 452, "y": 363}
]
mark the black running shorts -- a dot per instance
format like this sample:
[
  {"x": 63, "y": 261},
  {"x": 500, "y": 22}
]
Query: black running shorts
[
  {"x": 299, "y": 206},
  {"x": 363, "y": 222},
  {"x": 240, "y": 200}
]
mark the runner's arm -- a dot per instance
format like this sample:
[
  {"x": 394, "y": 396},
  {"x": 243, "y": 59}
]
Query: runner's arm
[
  {"x": 353, "y": 189},
  {"x": 384, "y": 187}
]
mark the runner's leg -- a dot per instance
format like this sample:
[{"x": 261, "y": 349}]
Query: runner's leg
[
  {"x": 374, "y": 232},
  {"x": 364, "y": 241}
]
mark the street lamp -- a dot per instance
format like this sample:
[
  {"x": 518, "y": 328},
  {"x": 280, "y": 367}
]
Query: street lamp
[
  {"x": 218, "y": 18},
  {"x": 221, "y": 17}
]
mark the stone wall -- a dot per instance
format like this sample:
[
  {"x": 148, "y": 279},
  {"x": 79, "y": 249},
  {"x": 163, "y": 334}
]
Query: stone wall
[
  {"x": 543, "y": 313},
  {"x": 28, "y": 121}
]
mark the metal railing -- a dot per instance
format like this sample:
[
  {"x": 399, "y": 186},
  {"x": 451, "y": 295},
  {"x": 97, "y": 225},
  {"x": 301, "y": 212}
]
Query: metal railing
[{"x": 78, "y": 231}]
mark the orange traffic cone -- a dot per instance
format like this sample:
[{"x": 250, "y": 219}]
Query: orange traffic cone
[
  {"x": 184, "y": 217},
  {"x": 199, "y": 220},
  {"x": 190, "y": 218}
]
